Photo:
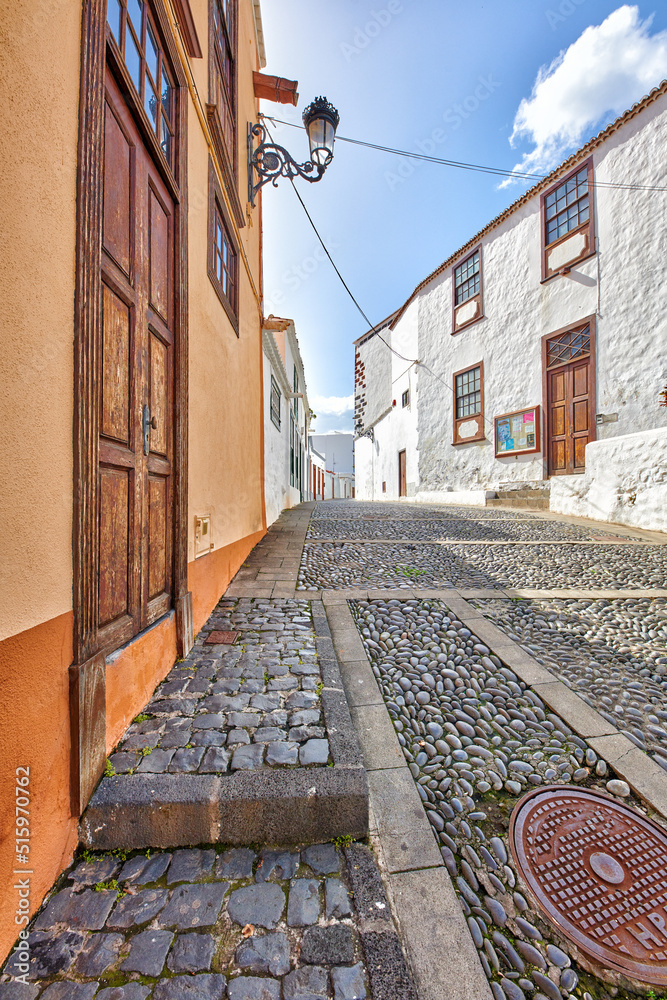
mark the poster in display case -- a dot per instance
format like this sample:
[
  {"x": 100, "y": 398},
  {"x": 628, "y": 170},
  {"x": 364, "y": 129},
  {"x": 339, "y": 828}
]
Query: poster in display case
[{"x": 518, "y": 433}]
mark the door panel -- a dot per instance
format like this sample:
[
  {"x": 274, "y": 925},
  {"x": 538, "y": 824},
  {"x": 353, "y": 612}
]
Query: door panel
[
  {"x": 157, "y": 570},
  {"x": 117, "y": 192},
  {"x": 580, "y": 410},
  {"x": 115, "y": 421},
  {"x": 114, "y": 537},
  {"x": 159, "y": 257},
  {"x": 159, "y": 394}
]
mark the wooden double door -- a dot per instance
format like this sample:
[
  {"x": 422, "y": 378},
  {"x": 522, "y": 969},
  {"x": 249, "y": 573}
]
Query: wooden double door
[
  {"x": 570, "y": 402},
  {"x": 136, "y": 426}
]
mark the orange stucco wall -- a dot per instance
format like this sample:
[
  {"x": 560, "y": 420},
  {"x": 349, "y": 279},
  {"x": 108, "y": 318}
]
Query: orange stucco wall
[
  {"x": 225, "y": 474},
  {"x": 34, "y": 732},
  {"x": 225, "y": 461},
  {"x": 209, "y": 576}
]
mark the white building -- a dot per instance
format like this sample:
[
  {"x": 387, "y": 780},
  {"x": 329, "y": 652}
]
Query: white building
[
  {"x": 338, "y": 450},
  {"x": 542, "y": 346},
  {"x": 286, "y": 417}
]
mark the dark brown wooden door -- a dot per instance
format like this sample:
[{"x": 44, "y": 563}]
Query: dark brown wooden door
[
  {"x": 568, "y": 417},
  {"x": 136, "y": 422},
  {"x": 402, "y": 485}
]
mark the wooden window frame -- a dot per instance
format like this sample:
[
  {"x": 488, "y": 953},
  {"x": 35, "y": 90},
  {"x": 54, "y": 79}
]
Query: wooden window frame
[
  {"x": 275, "y": 415},
  {"x": 538, "y": 432},
  {"x": 477, "y": 297},
  {"x": 589, "y": 321},
  {"x": 587, "y": 228},
  {"x": 216, "y": 207},
  {"x": 227, "y": 158},
  {"x": 136, "y": 95},
  {"x": 405, "y": 398},
  {"x": 480, "y": 436}
]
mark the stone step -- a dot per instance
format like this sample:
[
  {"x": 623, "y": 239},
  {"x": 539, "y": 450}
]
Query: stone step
[
  {"x": 525, "y": 493},
  {"x": 286, "y": 806},
  {"x": 526, "y": 503}
]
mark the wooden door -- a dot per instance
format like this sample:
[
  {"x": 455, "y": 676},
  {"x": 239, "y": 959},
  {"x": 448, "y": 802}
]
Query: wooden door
[
  {"x": 402, "y": 485},
  {"x": 137, "y": 391},
  {"x": 568, "y": 417}
]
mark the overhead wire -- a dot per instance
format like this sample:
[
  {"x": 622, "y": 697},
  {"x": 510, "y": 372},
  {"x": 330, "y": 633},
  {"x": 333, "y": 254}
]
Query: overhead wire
[
  {"x": 475, "y": 167},
  {"x": 412, "y": 361}
]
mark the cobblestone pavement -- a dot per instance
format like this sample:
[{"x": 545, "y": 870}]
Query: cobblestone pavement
[
  {"x": 476, "y": 738},
  {"x": 204, "y": 924},
  {"x": 253, "y": 704}
]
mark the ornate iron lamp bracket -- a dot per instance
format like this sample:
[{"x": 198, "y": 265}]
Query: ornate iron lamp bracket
[{"x": 273, "y": 162}]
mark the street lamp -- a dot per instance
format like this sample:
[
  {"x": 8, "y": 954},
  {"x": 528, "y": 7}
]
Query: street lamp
[{"x": 270, "y": 161}]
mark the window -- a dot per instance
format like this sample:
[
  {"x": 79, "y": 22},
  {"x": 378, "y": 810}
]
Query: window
[
  {"x": 469, "y": 404},
  {"x": 467, "y": 291},
  {"x": 223, "y": 71},
  {"x": 569, "y": 346},
  {"x": 274, "y": 405},
  {"x": 466, "y": 279},
  {"x": 295, "y": 401},
  {"x": 134, "y": 31},
  {"x": 222, "y": 252},
  {"x": 405, "y": 398},
  {"x": 568, "y": 221},
  {"x": 567, "y": 207}
]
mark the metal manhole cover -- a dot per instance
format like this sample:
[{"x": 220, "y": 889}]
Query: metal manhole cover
[
  {"x": 221, "y": 637},
  {"x": 598, "y": 871}
]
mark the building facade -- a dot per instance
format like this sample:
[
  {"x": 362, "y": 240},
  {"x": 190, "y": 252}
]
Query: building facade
[
  {"x": 287, "y": 476},
  {"x": 132, "y": 402},
  {"x": 542, "y": 346},
  {"x": 338, "y": 451}
]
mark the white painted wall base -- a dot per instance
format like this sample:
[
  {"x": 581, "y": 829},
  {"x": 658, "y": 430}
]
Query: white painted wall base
[
  {"x": 462, "y": 498},
  {"x": 625, "y": 482}
]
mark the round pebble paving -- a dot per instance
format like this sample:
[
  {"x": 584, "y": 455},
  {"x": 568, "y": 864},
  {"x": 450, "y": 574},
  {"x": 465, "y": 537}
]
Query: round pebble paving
[
  {"x": 338, "y": 565},
  {"x": 476, "y": 739},
  {"x": 612, "y": 652}
]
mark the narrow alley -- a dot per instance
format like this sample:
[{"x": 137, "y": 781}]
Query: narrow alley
[{"x": 255, "y": 838}]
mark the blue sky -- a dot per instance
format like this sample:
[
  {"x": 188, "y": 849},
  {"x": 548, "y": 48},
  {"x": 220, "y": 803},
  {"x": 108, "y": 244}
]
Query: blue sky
[{"x": 506, "y": 83}]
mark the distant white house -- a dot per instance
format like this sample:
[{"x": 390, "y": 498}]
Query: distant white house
[
  {"x": 537, "y": 352},
  {"x": 286, "y": 418},
  {"x": 338, "y": 450}
]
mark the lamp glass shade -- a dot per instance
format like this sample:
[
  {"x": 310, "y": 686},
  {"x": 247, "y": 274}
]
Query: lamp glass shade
[
  {"x": 321, "y": 134},
  {"x": 321, "y": 121}
]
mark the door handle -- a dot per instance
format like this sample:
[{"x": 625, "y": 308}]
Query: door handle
[{"x": 148, "y": 422}]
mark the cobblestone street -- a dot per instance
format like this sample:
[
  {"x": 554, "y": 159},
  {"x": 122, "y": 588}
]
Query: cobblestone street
[{"x": 483, "y": 654}]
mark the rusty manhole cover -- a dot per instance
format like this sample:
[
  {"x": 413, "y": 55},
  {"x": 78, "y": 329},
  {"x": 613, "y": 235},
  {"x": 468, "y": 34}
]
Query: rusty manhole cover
[
  {"x": 598, "y": 870},
  {"x": 217, "y": 637}
]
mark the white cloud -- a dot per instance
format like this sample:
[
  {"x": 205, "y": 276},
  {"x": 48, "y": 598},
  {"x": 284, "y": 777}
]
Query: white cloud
[
  {"x": 607, "y": 69},
  {"x": 335, "y": 405}
]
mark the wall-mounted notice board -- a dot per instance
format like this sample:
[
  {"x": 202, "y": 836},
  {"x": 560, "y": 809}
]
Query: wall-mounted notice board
[{"x": 518, "y": 433}]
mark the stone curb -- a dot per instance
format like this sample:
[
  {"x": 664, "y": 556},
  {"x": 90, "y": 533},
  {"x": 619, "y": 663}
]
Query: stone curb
[{"x": 433, "y": 930}]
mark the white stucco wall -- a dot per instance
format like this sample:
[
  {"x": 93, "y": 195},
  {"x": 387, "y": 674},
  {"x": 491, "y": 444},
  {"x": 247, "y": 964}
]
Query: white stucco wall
[
  {"x": 625, "y": 482},
  {"x": 337, "y": 450},
  {"x": 377, "y": 461},
  {"x": 624, "y": 286},
  {"x": 278, "y": 493},
  {"x": 372, "y": 378}
]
